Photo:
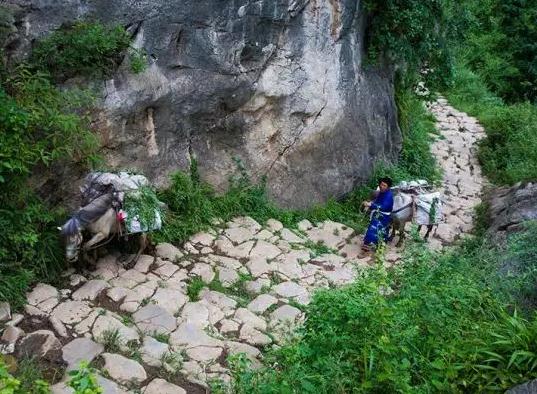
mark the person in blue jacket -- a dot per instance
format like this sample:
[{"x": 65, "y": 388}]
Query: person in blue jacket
[{"x": 381, "y": 209}]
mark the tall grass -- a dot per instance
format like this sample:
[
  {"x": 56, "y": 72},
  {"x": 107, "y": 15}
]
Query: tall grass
[{"x": 509, "y": 153}]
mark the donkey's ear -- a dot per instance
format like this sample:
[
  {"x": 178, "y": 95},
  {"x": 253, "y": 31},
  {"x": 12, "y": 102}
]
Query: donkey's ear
[{"x": 59, "y": 228}]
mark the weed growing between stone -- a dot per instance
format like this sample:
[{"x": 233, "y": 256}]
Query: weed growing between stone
[{"x": 83, "y": 380}]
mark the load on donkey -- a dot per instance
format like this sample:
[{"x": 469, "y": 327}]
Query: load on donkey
[
  {"x": 415, "y": 201},
  {"x": 112, "y": 205}
]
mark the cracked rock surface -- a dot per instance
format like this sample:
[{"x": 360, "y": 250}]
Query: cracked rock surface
[{"x": 270, "y": 82}]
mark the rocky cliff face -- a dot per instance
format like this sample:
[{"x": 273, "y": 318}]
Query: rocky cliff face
[
  {"x": 511, "y": 207},
  {"x": 278, "y": 84}
]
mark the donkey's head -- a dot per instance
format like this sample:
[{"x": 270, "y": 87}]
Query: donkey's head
[{"x": 72, "y": 235}]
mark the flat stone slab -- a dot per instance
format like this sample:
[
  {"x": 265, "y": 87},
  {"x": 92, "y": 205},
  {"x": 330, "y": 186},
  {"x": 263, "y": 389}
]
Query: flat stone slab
[
  {"x": 167, "y": 251},
  {"x": 122, "y": 369},
  {"x": 204, "y": 239},
  {"x": 261, "y": 303},
  {"x": 90, "y": 290},
  {"x": 152, "y": 351},
  {"x": 239, "y": 251},
  {"x": 265, "y": 250},
  {"x": 5, "y": 311},
  {"x": 106, "y": 323},
  {"x": 189, "y": 335},
  {"x": 340, "y": 276},
  {"x": 160, "y": 386},
  {"x": 239, "y": 347},
  {"x": 239, "y": 235},
  {"x": 196, "y": 313},
  {"x": 80, "y": 349},
  {"x": 253, "y": 336},
  {"x": 227, "y": 276},
  {"x": 204, "y": 353},
  {"x": 144, "y": 263},
  {"x": 154, "y": 319},
  {"x": 292, "y": 290},
  {"x": 72, "y": 312},
  {"x": 285, "y": 312},
  {"x": 274, "y": 225},
  {"x": 170, "y": 299},
  {"x": 222, "y": 301},
  {"x": 205, "y": 271},
  {"x": 259, "y": 266},
  {"x": 166, "y": 270},
  {"x": 44, "y": 297},
  {"x": 291, "y": 237},
  {"x": 41, "y": 344},
  {"x": 244, "y": 316}
]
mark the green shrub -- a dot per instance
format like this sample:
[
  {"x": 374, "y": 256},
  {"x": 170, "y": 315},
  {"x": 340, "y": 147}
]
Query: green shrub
[
  {"x": 83, "y": 380},
  {"x": 500, "y": 45},
  {"x": 84, "y": 48},
  {"x": 39, "y": 125},
  {"x": 30, "y": 383},
  {"x": 138, "y": 60},
  {"x": 442, "y": 327}
]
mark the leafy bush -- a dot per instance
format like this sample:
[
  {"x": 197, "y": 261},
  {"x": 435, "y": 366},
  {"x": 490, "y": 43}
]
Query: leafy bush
[
  {"x": 509, "y": 153},
  {"x": 501, "y": 47},
  {"x": 442, "y": 327},
  {"x": 39, "y": 125},
  {"x": 11, "y": 385},
  {"x": 87, "y": 49}
]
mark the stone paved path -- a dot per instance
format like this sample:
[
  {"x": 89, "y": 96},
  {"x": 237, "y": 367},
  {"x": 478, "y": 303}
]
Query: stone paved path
[{"x": 167, "y": 325}]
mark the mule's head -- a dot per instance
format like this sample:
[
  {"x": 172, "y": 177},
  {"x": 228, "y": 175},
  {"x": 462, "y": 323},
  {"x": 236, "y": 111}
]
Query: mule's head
[{"x": 72, "y": 237}]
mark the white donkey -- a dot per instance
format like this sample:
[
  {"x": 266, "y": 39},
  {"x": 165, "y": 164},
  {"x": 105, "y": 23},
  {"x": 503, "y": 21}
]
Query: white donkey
[{"x": 404, "y": 210}]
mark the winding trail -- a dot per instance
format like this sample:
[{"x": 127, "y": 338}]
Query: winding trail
[
  {"x": 234, "y": 289},
  {"x": 456, "y": 152}
]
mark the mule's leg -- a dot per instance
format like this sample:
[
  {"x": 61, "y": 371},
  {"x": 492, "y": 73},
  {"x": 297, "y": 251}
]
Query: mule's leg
[
  {"x": 419, "y": 229},
  {"x": 429, "y": 228},
  {"x": 95, "y": 240},
  {"x": 401, "y": 236},
  {"x": 392, "y": 235},
  {"x": 142, "y": 243}
]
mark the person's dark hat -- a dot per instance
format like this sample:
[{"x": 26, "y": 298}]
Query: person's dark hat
[{"x": 387, "y": 181}]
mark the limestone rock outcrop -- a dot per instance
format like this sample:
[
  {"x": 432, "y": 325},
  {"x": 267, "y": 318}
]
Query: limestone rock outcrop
[{"x": 279, "y": 85}]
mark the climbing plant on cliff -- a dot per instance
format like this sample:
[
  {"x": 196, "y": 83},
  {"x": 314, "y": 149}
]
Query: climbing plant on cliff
[
  {"x": 411, "y": 34},
  {"x": 87, "y": 49}
]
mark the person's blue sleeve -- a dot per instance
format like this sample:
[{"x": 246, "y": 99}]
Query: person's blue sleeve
[{"x": 384, "y": 202}]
